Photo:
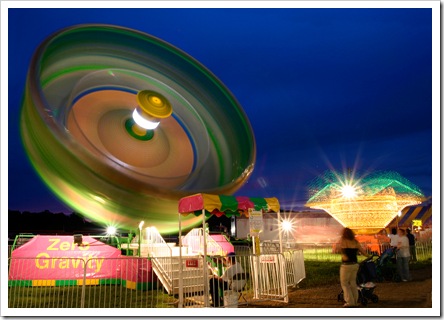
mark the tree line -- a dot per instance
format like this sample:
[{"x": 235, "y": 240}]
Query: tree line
[{"x": 47, "y": 222}]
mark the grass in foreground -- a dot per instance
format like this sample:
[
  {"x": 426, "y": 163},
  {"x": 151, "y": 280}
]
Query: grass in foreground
[{"x": 321, "y": 273}]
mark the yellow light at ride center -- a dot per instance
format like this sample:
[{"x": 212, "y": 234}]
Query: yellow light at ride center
[{"x": 152, "y": 107}]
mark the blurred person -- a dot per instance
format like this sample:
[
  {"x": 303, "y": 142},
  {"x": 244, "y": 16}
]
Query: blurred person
[
  {"x": 412, "y": 244},
  {"x": 349, "y": 267},
  {"x": 403, "y": 256}
]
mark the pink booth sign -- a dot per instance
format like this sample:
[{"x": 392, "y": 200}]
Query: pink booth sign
[{"x": 59, "y": 258}]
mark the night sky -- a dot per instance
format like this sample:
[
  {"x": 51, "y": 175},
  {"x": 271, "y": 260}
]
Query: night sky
[{"x": 324, "y": 89}]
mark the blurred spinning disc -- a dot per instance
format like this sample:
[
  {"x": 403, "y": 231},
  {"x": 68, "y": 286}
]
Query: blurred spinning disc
[{"x": 85, "y": 83}]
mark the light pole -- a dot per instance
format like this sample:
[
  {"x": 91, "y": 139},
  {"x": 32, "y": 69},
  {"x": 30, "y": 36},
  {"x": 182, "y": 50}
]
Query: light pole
[
  {"x": 287, "y": 226},
  {"x": 140, "y": 237}
]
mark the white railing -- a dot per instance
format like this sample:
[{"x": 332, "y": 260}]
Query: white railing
[
  {"x": 423, "y": 250},
  {"x": 270, "y": 247},
  {"x": 194, "y": 240},
  {"x": 193, "y": 287},
  {"x": 161, "y": 257},
  {"x": 156, "y": 245},
  {"x": 294, "y": 266},
  {"x": 269, "y": 277}
]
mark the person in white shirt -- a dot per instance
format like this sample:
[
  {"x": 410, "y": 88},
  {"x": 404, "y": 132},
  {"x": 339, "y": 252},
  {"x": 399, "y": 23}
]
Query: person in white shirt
[
  {"x": 403, "y": 256},
  {"x": 223, "y": 282},
  {"x": 393, "y": 238}
]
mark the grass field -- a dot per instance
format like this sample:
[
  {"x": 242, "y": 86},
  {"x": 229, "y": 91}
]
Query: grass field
[
  {"x": 110, "y": 296},
  {"x": 324, "y": 272}
]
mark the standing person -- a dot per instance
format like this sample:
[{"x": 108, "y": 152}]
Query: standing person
[
  {"x": 403, "y": 256},
  {"x": 349, "y": 267},
  {"x": 393, "y": 239},
  {"x": 222, "y": 282},
  {"x": 412, "y": 241},
  {"x": 393, "y": 243}
]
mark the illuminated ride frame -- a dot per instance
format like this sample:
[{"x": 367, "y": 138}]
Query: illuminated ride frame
[
  {"x": 209, "y": 205},
  {"x": 366, "y": 205}
]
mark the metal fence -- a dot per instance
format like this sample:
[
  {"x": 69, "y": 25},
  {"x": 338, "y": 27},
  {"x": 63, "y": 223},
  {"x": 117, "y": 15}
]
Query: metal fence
[
  {"x": 423, "y": 250},
  {"x": 294, "y": 266},
  {"x": 131, "y": 282}
]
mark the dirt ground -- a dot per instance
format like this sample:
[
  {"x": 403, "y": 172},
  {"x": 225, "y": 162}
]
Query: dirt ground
[{"x": 413, "y": 294}]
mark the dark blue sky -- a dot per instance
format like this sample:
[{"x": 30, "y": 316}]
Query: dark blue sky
[{"x": 323, "y": 88}]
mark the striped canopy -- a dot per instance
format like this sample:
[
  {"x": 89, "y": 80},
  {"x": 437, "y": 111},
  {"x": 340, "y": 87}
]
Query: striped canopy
[
  {"x": 422, "y": 213},
  {"x": 220, "y": 205}
]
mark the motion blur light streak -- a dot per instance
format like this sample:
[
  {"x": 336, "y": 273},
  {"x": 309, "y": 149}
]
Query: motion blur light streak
[
  {"x": 382, "y": 195},
  {"x": 83, "y": 85}
]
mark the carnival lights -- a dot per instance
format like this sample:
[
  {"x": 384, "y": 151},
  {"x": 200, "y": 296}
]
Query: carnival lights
[
  {"x": 152, "y": 107},
  {"x": 287, "y": 225},
  {"x": 111, "y": 231},
  {"x": 367, "y": 204}
]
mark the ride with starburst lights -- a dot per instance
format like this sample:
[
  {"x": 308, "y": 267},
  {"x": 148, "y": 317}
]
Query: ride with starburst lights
[{"x": 365, "y": 204}]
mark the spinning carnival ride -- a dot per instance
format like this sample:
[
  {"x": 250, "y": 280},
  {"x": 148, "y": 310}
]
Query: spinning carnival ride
[
  {"x": 120, "y": 125},
  {"x": 367, "y": 204}
]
